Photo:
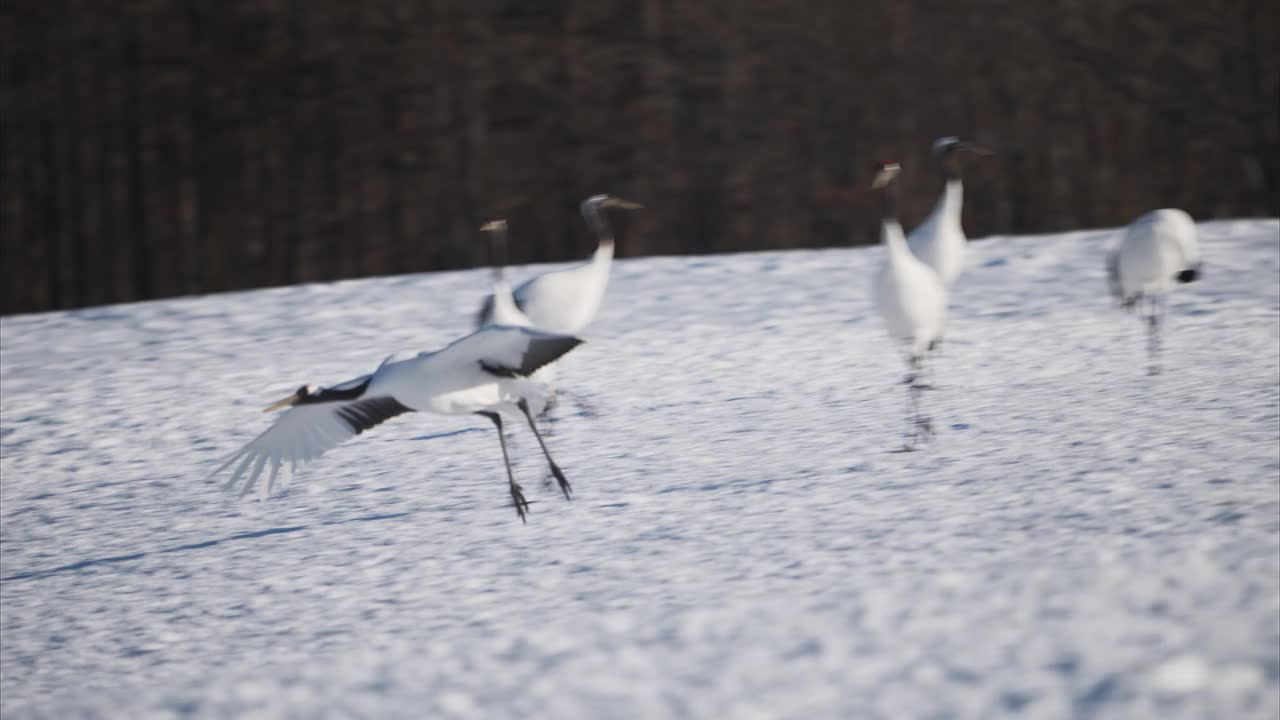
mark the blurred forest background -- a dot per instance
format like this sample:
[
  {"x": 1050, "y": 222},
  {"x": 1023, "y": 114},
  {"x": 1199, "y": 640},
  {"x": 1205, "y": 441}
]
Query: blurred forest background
[{"x": 163, "y": 147}]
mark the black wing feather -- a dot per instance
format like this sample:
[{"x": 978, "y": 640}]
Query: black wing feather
[
  {"x": 541, "y": 351},
  {"x": 365, "y": 414},
  {"x": 484, "y": 315},
  {"x": 361, "y": 414}
]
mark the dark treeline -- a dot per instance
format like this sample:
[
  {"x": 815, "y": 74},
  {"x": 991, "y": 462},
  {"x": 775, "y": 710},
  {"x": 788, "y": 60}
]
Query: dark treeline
[{"x": 162, "y": 147}]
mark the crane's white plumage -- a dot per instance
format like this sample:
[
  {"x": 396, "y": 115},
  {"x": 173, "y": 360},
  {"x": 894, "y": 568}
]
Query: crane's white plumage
[
  {"x": 502, "y": 308},
  {"x": 909, "y": 294},
  {"x": 486, "y": 373},
  {"x": 910, "y": 298},
  {"x": 1157, "y": 250},
  {"x": 939, "y": 241},
  {"x": 504, "y": 311},
  {"x": 566, "y": 301}
]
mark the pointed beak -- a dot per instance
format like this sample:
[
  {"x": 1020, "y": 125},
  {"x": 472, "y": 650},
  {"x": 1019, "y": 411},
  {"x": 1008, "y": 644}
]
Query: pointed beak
[
  {"x": 884, "y": 177},
  {"x": 623, "y": 204},
  {"x": 977, "y": 149},
  {"x": 493, "y": 225},
  {"x": 286, "y": 402}
]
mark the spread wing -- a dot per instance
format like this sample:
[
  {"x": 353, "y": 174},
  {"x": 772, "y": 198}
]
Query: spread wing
[
  {"x": 305, "y": 432},
  {"x": 503, "y": 350}
]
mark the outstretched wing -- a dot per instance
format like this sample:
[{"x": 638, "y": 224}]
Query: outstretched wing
[
  {"x": 305, "y": 432},
  {"x": 503, "y": 349}
]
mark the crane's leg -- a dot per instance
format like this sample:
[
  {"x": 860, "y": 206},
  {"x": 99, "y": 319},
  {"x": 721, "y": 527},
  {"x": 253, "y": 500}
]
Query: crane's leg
[
  {"x": 517, "y": 494},
  {"x": 935, "y": 351},
  {"x": 555, "y": 469},
  {"x": 920, "y": 427},
  {"x": 1155, "y": 322},
  {"x": 549, "y": 412}
]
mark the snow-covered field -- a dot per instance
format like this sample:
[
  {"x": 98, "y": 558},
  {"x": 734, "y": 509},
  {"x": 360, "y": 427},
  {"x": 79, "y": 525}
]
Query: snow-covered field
[{"x": 1080, "y": 541}]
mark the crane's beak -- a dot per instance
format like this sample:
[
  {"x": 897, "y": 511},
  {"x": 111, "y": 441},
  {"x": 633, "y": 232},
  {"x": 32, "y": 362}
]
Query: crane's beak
[
  {"x": 493, "y": 225},
  {"x": 286, "y": 402},
  {"x": 885, "y": 176},
  {"x": 976, "y": 149},
  {"x": 621, "y": 204}
]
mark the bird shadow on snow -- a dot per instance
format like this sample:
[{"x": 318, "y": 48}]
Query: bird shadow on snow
[{"x": 116, "y": 559}]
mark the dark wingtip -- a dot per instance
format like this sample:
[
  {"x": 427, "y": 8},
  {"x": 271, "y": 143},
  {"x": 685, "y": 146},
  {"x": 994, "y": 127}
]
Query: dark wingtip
[
  {"x": 485, "y": 314},
  {"x": 1191, "y": 274}
]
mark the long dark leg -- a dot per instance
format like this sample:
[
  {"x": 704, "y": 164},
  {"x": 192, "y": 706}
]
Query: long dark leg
[
  {"x": 549, "y": 412},
  {"x": 930, "y": 380},
  {"x": 1155, "y": 322},
  {"x": 517, "y": 495},
  {"x": 555, "y": 469},
  {"x": 920, "y": 427}
]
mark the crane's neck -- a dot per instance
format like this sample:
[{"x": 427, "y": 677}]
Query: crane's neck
[
  {"x": 894, "y": 240},
  {"x": 890, "y": 229},
  {"x": 949, "y": 164},
  {"x": 952, "y": 201},
  {"x": 889, "y": 201},
  {"x": 599, "y": 225},
  {"x": 498, "y": 253}
]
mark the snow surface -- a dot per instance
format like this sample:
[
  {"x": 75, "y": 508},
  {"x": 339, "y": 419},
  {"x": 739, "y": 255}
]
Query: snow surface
[{"x": 1080, "y": 541}]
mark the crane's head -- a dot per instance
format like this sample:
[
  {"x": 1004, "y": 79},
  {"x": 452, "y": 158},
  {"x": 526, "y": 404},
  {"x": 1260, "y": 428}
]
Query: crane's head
[
  {"x": 297, "y": 397},
  {"x": 950, "y": 145},
  {"x": 887, "y": 171},
  {"x": 601, "y": 202},
  {"x": 497, "y": 232},
  {"x": 950, "y": 152}
]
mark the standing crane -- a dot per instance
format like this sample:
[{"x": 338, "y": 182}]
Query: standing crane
[{"x": 1157, "y": 251}]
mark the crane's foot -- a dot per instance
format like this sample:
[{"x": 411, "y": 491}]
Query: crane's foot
[
  {"x": 522, "y": 505},
  {"x": 922, "y": 433},
  {"x": 924, "y": 429},
  {"x": 563, "y": 481},
  {"x": 585, "y": 407}
]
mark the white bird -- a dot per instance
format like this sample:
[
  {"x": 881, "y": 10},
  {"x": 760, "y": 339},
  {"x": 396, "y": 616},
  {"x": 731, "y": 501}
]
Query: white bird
[
  {"x": 910, "y": 297},
  {"x": 502, "y": 305},
  {"x": 566, "y": 301},
  {"x": 939, "y": 241},
  {"x": 485, "y": 373},
  {"x": 1157, "y": 250},
  {"x": 505, "y": 312}
]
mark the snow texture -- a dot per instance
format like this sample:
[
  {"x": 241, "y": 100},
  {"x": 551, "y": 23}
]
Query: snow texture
[{"x": 1080, "y": 540}]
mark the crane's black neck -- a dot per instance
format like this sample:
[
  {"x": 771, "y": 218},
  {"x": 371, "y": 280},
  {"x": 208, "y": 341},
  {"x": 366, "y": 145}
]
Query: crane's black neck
[
  {"x": 949, "y": 164},
  {"x": 498, "y": 251},
  {"x": 889, "y": 201},
  {"x": 599, "y": 224},
  {"x": 330, "y": 395}
]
